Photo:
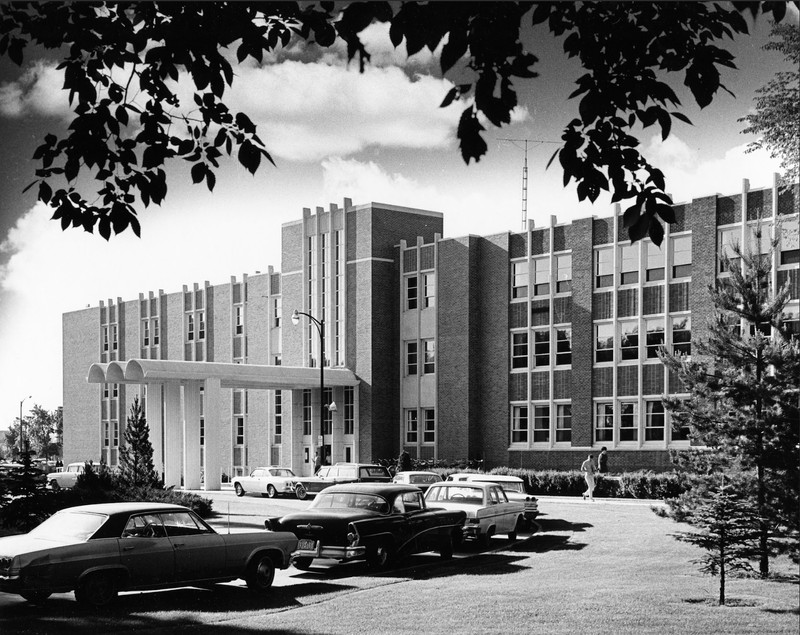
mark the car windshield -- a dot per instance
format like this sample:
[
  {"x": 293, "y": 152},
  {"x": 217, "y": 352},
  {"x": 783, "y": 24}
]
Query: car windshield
[
  {"x": 455, "y": 494},
  {"x": 416, "y": 479},
  {"x": 68, "y": 525},
  {"x": 510, "y": 486},
  {"x": 350, "y": 500}
]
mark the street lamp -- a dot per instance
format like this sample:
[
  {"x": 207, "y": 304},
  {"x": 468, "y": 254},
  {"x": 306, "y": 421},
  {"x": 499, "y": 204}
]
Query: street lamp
[
  {"x": 21, "y": 435},
  {"x": 320, "y": 324}
]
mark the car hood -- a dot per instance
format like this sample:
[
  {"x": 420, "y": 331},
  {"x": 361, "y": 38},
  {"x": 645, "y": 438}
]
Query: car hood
[{"x": 25, "y": 544}]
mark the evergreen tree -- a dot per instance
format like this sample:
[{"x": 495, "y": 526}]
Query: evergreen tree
[
  {"x": 136, "y": 456},
  {"x": 743, "y": 389}
]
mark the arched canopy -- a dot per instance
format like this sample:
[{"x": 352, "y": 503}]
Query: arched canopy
[{"x": 145, "y": 371}]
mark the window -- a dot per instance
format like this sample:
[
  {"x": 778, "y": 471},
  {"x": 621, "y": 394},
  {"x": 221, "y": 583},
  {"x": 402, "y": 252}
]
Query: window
[
  {"x": 604, "y": 422},
  {"x": 202, "y": 432},
  {"x": 349, "y": 410},
  {"x": 411, "y": 426},
  {"x": 541, "y": 348},
  {"x": 654, "y": 421},
  {"x": 115, "y": 390},
  {"x": 604, "y": 343},
  {"x": 411, "y": 292},
  {"x": 190, "y": 327},
  {"x": 519, "y": 424},
  {"x": 411, "y": 358},
  {"x": 201, "y": 319},
  {"x": 628, "y": 421},
  {"x": 519, "y": 280},
  {"x": 276, "y": 360},
  {"x": 655, "y": 337},
  {"x": 276, "y": 312},
  {"x": 563, "y": 346},
  {"x": 791, "y": 323},
  {"x": 145, "y": 332},
  {"x": 106, "y": 440},
  {"x": 519, "y": 350},
  {"x": 564, "y": 273},
  {"x": 655, "y": 262},
  {"x": 429, "y": 289},
  {"x": 563, "y": 423},
  {"x": 681, "y": 256},
  {"x": 239, "y": 430},
  {"x": 629, "y": 340},
  {"x": 541, "y": 424},
  {"x": 541, "y": 276},
  {"x": 238, "y": 319},
  {"x": 278, "y": 430},
  {"x": 429, "y": 352},
  {"x": 603, "y": 268},
  {"x": 114, "y": 341},
  {"x": 307, "y": 412},
  {"x": 729, "y": 239},
  {"x": 790, "y": 242},
  {"x": 682, "y": 335},
  {"x": 115, "y": 425},
  {"x": 156, "y": 332},
  {"x": 429, "y": 431},
  {"x": 629, "y": 264},
  {"x": 327, "y": 415},
  {"x": 105, "y": 338}
]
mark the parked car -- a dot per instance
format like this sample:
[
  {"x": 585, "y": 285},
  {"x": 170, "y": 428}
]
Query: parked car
[
  {"x": 267, "y": 481},
  {"x": 379, "y": 523},
  {"x": 339, "y": 473},
  {"x": 66, "y": 477},
  {"x": 488, "y": 510},
  {"x": 98, "y": 550},
  {"x": 421, "y": 479},
  {"x": 513, "y": 486}
]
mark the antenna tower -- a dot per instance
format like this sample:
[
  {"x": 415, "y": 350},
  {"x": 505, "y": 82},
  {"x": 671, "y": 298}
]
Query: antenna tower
[{"x": 525, "y": 173}]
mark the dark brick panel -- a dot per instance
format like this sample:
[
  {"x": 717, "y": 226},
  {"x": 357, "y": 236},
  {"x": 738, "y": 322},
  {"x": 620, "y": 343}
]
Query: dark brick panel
[
  {"x": 517, "y": 246},
  {"x": 627, "y": 381},
  {"x": 561, "y": 237},
  {"x": 540, "y": 312},
  {"x": 540, "y": 385},
  {"x": 789, "y": 200},
  {"x": 759, "y": 204},
  {"x": 602, "y": 233},
  {"x": 627, "y": 302},
  {"x": 562, "y": 309},
  {"x": 603, "y": 382},
  {"x": 518, "y": 387},
  {"x": 582, "y": 333},
  {"x": 518, "y": 315},
  {"x": 679, "y": 296},
  {"x": 729, "y": 209},
  {"x": 603, "y": 307},
  {"x": 540, "y": 242},
  {"x": 427, "y": 258},
  {"x": 680, "y": 218},
  {"x": 562, "y": 384},
  {"x": 652, "y": 379},
  {"x": 653, "y": 300},
  {"x": 409, "y": 260}
]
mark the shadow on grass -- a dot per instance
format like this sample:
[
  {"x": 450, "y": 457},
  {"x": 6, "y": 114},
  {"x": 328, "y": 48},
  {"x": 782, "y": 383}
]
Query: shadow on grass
[{"x": 558, "y": 524}]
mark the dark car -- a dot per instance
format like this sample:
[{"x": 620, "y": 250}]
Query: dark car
[
  {"x": 379, "y": 523},
  {"x": 340, "y": 473},
  {"x": 100, "y": 549}
]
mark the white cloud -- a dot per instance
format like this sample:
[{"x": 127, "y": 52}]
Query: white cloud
[{"x": 37, "y": 91}]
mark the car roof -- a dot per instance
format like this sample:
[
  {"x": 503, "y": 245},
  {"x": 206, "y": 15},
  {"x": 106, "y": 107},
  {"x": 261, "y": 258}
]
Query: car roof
[
  {"x": 412, "y": 472},
  {"x": 487, "y": 478},
  {"x": 383, "y": 489},
  {"x": 122, "y": 508},
  {"x": 475, "y": 484}
]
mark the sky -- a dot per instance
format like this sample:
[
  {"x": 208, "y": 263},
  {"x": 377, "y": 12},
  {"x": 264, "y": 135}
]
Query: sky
[{"x": 334, "y": 134}]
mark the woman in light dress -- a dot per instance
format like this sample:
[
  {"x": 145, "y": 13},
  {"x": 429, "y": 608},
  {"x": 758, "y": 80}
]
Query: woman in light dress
[{"x": 588, "y": 468}]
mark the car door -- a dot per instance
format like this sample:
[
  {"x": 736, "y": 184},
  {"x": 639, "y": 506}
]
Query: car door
[
  {"x": 146, "y": 551},
  {"x": 423, "y": 522},
  {"x": 504, "y": 520},
  {"x": 199, "y": 550}
]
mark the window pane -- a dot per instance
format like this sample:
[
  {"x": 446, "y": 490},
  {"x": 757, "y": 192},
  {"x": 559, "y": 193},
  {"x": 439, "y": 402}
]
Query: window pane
[
  {"x": 519, "y": 280},
  {"x": 519, "y": 424},
  {"x": 519, "y": 350},
  {"x": 563, "y": 423},
  {"x": 604, "y": 422},
  {"x": 604, "y": 267},
  {"x": 655, "y": 337},
  {"x": 541, "y": 281},
  {"x": 628, "y": 422},
  {"x": 541, "y": 348},
  {"x": 654, "y": 421},
  {"x": 604, "y": 343},
  {"x": 563, "y": 346},
  {"x": 541, "y": 424},
  {"x": 682, "y": 335},
  {"x": 629, "y": 340}
]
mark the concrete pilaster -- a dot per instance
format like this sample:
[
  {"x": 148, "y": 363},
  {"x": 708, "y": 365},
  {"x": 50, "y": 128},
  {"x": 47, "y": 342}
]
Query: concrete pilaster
[
  {"x": 154, "y": 412},
  {"x": 213, "y": 422},
  {"x": 191, "y": 435},
  {"x": 173, "y": 434}
]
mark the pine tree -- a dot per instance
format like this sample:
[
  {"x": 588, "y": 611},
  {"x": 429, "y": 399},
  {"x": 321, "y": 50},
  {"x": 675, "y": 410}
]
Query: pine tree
[
  {"x": 744, "y": 392},
  {"x": 136, "y": 456}
]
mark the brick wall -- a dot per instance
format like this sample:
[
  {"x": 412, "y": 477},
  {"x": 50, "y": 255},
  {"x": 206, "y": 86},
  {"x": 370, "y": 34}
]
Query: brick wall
[
  {"x": 618, "y": 460},
  {"x": 582, "y": 331}
]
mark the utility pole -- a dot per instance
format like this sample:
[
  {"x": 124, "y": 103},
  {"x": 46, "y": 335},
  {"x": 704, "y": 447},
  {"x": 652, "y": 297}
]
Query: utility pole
[{"x": 525, "y": 172}]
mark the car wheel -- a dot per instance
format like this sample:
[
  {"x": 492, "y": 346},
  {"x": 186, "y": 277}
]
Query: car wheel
[
  {"x": 35, "y": 597},
  {"x": 301, "y": 492},
  {"x": 512, "y": 535},
  {"x": 446, "y": 548},
  {"x": 96, "y": 589},
  {"x": 239, "y": 489},
  {"x": 304, "y": 564},
  {"x": 271, "y": 491},
  {"x": 483, "y": 539},
  {"x": 381, "y": 558},
  {"x": 260, "y": 573},
  {"x": 54, "y": 485}
]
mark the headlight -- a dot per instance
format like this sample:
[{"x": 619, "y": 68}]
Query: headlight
[{"x": 352, "y": 538}]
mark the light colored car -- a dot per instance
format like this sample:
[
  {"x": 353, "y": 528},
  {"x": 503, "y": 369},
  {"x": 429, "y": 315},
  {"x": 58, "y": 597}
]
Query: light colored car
[
  {"x": 98, "y": 550},
  {"x": 489, "y": 511},
  {"x": 423, "y": 480},
  {"x": 513, "y": 486},
  {"x": 267, "y": 481},
  {"x": 66, "y": 477}
]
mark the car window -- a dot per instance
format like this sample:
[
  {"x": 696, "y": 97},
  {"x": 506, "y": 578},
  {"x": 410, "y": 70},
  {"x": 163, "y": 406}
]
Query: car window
[
  {"x": 257, "y": 473},
  {"x": 350, "y": 500},
  {"x": 397, "y": 505},
  {"x": 323, "y": 472},
  {"x": 346, "y": 472},
  {"x": 373, "y": 471},
  {"x": 69, "y": 525},
  {"x": 282, "y": 473},
  {"x": 182, "y": 524},
  {"x": 412, "y": 501},
  {"x": 494, "y": 498},
  {"x": 456, "y": 494},
  {"x": 144, "y": 526}
]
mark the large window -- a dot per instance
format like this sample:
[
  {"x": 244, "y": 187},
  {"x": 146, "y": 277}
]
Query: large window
[
  {"x": 349, "y": 410},
  {"x": 429, "y": 361},
  {"x": 307, "y": 412},
  {"x": 563, "y": 423},
  {"x": 411, "y": 292},
  {"x": 327, "y": 415},
  {"x": 655, "y": 262},
  {"x": 519, "y": 280},
  {"x": 628, "y": 421},
  {"x": 201, "y": 325},
  {"x": 655, "y": 336},
  {"x": 189, "y": 327},
  {"x": 563, "y": 346},
  {"x": 654, "y": 421},
  {"x": 519, "y": 424},
  {"x": 604, "y": 267},
  {"x": 429, "y": 289},
  {"x": 681, "y": 256},
  {"x": 519, "y": 350},
  {"x": 541, "y": 276},
  {"x": 411, "y": 358},
  {"x": 629, "y": 264},
  {"x": 563, "y": 273},
  {"x": 790, "y": 242},
  {"x": 728, "y": 240},
  {"x": 278, "y": 430},
  {"x": 629, "y": 340},
  {"x": 411, "y": 426},
  {"x": 541, "y": 424},
  {"x": 682, "y": 334},
  {"x": 541, "y": 348},
  {"x": 429, "y": 423},
  {"x": 604, "y": 342},
  {"x": 604, "y": 422}
]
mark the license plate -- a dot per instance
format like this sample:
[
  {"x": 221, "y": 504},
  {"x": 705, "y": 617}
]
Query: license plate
[{"x": 307, "y": 545}]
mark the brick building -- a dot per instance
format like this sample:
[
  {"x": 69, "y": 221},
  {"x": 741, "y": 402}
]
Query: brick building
[{"x": 523, "y": 349}]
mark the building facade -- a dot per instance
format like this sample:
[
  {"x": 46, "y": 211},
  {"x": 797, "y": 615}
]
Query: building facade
[{"x": 524, "y": 349}]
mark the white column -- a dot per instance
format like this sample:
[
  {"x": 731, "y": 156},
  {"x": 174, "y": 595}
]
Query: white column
[
  {"x": 213, "y": 430},
  {"x": 191, "y": 435},
  {"x": 173, "y": 434},
  {"x": 155, "y": 421}
]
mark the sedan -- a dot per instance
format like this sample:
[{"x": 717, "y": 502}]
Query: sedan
[
  {"x": 379, "y": 523},
  {"x": 268, "y": 481},
  {"x": 488, "y": 510},
  {"x": 423, "y": 480},
  {"x": 99, "y": 550}
]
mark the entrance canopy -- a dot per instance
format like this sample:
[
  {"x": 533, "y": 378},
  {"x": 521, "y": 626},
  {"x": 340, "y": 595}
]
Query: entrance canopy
[{"x": 145, "y": 371}]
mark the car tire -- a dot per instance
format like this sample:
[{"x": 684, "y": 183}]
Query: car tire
[
  {"x": 54, "y": 485},
  {"x": 35, "y": 597},
  {"x": 512, "y": 535},
  {"x": 304, "y": 564},
  {"x": 301, "y": 492},
  {"x": 381, "y": 558},
  {"x": 260, "y": 573},
  {"x": 446, "y": 548},
  {"x": 271, "y": 491},
  {"x": 96, "y": 590},
  {"x": 238, "y": 489},
  {"x": 483, "y": 539}
]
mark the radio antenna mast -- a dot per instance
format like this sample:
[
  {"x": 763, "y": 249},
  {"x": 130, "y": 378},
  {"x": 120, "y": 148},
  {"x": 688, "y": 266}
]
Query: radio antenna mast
[{"x": 525, "y": 173}]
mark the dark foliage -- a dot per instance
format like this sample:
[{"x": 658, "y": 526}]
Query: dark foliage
[{"x": 136, "y": 455}]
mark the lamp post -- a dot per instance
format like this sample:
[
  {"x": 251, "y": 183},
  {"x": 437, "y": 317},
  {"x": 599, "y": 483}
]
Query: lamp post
[
  {"x": 320, "y": 324},
  {"x": 21, "y": 434}
]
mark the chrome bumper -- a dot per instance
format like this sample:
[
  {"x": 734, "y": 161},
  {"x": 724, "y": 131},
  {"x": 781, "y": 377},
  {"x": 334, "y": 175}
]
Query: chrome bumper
[{"x": 332, "y": 552}]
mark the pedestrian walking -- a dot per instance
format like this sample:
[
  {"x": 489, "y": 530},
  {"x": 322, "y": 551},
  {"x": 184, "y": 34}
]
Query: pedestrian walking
[
  {"x": 602, "y": 461},
  {"x": 588, "y": 468}
]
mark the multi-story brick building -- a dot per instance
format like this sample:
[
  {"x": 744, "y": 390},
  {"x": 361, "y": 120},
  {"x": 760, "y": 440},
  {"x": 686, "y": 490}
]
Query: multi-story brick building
[{"x": 524, "y": 349}]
